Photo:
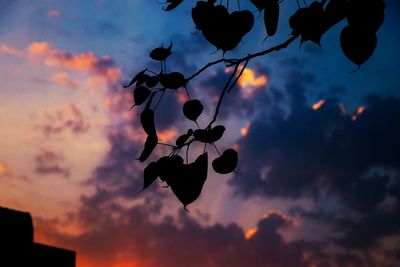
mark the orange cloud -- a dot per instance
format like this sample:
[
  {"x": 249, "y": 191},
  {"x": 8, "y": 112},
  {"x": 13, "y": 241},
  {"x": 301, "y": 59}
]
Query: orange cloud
[
  {"x": 167, "y": 135},
  {"x": 245, "y": 130},
  {"x": 249, "y": 81},
  {"x": 85, "y": 62},
  {"x": 272, "y": 213},
  {"x": 249, "y": 78},
  {"x": 251, "y": 232},
  {"x": 2, "y": 168},
  {"x": 63, "y": 78},
  {"x": 38, "y": 48},
  {"x": 8, "y": 50},
  {"x": 101, "y": 68},
  {"x": 319, "y": 104},
  {"x": 360, "y": 110}
]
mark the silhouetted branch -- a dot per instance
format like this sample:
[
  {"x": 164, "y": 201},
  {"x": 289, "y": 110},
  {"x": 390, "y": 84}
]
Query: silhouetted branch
[
  {"x": 222, "y": 95},
  {"x": 232, "y": 62}
]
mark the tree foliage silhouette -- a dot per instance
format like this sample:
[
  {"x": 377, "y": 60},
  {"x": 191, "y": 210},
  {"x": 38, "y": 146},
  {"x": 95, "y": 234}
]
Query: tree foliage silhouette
[{"x": 225, "y": 30}]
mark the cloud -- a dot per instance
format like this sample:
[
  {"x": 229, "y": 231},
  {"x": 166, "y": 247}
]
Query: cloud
[
  {"x": 250, "y": 94},
  {"x": 53, "y": 13},
  {"x": 347, "y": 165},
  {"x": 38, "y": 48},
  {"x": 2, "y": 168},
  {"x": 8, "y": 50},
  {"x": 64, "y": 79},
  {"x": 133, "y": 237},
  {"x": 86, "y": 62},
  {"x": 50, "y": 162},
  {"x": 58, "y": 121}
]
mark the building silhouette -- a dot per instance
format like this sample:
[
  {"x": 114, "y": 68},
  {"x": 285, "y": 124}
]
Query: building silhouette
[{"x": 17, "y": 246}]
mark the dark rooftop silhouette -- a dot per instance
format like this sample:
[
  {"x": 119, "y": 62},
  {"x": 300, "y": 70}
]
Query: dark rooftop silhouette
[{"x": 17, "y": 246}]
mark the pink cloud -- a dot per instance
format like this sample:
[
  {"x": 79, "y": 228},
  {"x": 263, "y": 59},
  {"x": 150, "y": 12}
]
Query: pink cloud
[
  {"x": 100, "y": 68},
  {"x": 50, "y": 162},
  {"x": 57, "y": 121},
  {"x": 63, "y": 79},
  {"x": 54, "y": 13},
  {"x": 38, "y": 48},
  {"x": 8, "y": 50}
]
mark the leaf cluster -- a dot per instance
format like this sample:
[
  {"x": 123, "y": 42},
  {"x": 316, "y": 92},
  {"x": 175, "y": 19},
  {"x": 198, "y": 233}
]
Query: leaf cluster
[{"x": 224, "y": 28}]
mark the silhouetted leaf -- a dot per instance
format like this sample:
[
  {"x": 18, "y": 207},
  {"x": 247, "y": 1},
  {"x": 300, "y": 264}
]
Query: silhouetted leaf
[
  {"x": 223, "y": 30},
  {"x": 226, "y": 163},
  {"x": 358, "y": 45},
  {"x": 173, "y": 80},
  {"x": 149, "y": 145},
  {"x": 259, "y": 4},
  {"x": 310, "y": 22},
  {"x": 335, "y": 11},
  {"x": 216, "y": 133},
  {"x": 137, "y": 77},
  {"x": 271, "y": 18},
  {"x": 192, "y": 109},
  {"x": 189, "y": 180},
  {"x": 209, "y": 135},
  {"x": 152, "y": 81},
  {"x": 202, "y": 135},
  {"x": 140, "y": 94},
  {"x": 161, "y": 53},
  {"x": 173, "y": 4},
  {"x": 168, "y": 167},
  {"x": 181, "y": 140},
  {"x": 366, "y": 14},
  {"x": 200, "y": 13},
  {"x": 150, "y": 174},
  {"x": 147, "y": 120}
]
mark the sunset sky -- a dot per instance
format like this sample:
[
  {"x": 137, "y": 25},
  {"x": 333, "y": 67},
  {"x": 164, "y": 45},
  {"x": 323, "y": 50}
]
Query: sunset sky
[{"x": 318, "y": 179}]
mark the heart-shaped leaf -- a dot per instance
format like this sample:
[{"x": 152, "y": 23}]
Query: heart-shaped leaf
[
  {"x": 358, "y": 45},
  {"x": 336, "y": 11},
  {"x": 310, "y": 22},
  {"x": 366, "y": 14},
  {"x": 189, "y": 180},
  {"x": 192, "y": 109},
  {"x": 221, "y": 29}
]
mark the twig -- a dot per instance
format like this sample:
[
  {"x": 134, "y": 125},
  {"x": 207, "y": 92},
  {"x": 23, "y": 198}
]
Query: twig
[
  {"x": 232, "y": 62},
  {"x": 205, "y": 67},
  {"x": 222, "y": 96},
  {"x": 238, "y": 76}
]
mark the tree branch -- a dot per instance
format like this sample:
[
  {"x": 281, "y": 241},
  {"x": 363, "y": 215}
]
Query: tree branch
[
  {"x": 222, "y": 96},
  {"x": 232, "y": 62}
]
